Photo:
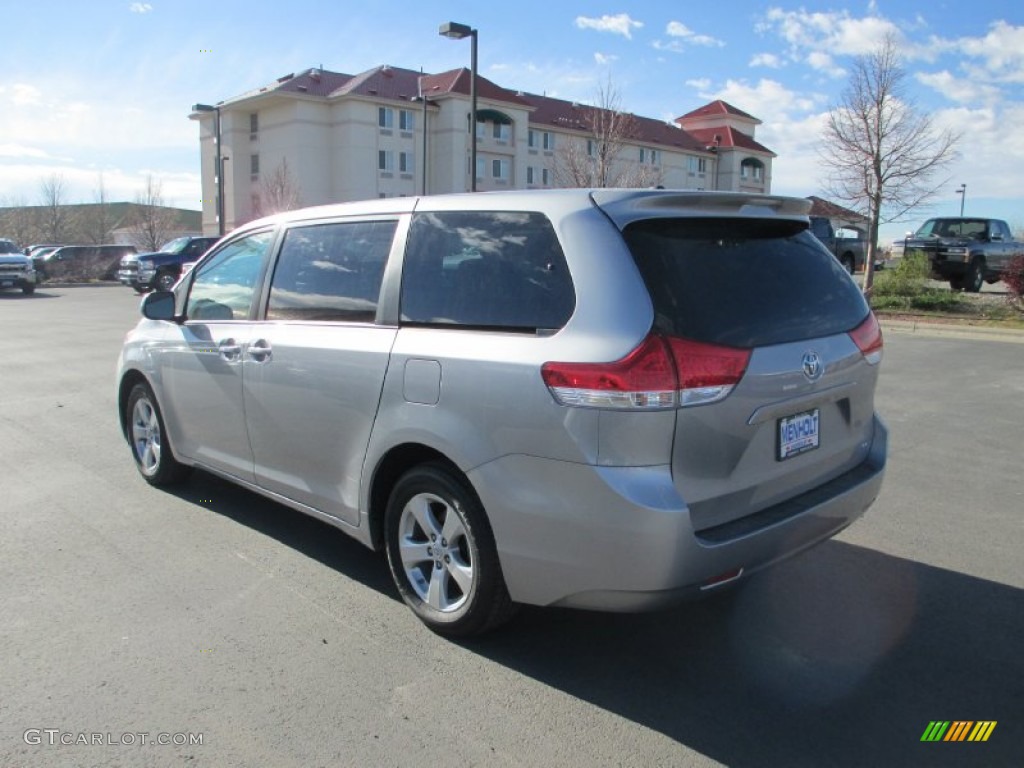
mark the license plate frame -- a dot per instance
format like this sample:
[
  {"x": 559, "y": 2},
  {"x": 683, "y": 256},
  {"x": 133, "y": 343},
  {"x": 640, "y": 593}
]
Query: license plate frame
[
  {"x": 6, "y": 283},
  {"x": 797, "y": 434}
]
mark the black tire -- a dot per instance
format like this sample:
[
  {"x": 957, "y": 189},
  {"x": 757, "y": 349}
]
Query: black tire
[
  {"x": 975, "y": 276},
  {"x": 28, "y": 289},
  {"x": 165, "y": 281},
  {"x": 848, "y": 263},
  {"x": 147, "y": 437},
  {"x": 433, "y": 564},
  {"x": 956, "y": 282}
]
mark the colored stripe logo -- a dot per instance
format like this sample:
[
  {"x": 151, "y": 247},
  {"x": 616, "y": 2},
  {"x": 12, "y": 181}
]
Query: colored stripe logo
[{"x": 959, "y": 730}]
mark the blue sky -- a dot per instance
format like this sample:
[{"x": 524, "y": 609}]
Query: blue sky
[{"x": 91, "y": 87}]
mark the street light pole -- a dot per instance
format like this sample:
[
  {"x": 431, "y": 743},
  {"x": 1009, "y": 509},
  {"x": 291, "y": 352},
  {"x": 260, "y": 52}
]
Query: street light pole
[
  {"x": 457, "y": 31},
  {"x": 218, "y": 164},
  {"x": 962, "y": 191}
]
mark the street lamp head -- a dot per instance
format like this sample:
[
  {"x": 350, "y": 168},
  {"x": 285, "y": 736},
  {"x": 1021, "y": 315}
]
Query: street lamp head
[{"x": 454, "y": 30}]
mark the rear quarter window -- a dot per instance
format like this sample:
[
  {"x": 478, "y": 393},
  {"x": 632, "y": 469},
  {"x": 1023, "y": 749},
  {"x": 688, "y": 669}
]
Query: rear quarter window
[
  {"x": 485, "y": 269},
  {"x": 742, "y": 282}
]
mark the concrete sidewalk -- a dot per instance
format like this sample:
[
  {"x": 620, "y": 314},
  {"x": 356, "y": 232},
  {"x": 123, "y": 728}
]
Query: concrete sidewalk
[{"x": 952, "y": 330}]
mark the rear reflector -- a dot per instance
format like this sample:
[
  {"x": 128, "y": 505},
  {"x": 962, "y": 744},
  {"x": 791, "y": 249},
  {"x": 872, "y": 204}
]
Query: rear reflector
[
  {"x": 868, "y": 338},
  {"x": 663, "y": 372},
  {"x": 723, "y": 578}
]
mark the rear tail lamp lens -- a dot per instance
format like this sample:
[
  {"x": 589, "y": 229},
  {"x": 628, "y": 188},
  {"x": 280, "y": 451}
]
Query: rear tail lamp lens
[
  {"x": 660, "y": 373},
  {"x": 868, "y": 338}
]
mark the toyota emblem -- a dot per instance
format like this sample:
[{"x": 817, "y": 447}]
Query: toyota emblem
[{"x": 812, "y": 366}]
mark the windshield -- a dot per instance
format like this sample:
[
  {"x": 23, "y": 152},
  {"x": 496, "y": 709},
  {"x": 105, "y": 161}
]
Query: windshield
[
  {"x": 6, "y": 246},
  {"x": 953, "y": 228},
  {"x": 175, "y": 246}
]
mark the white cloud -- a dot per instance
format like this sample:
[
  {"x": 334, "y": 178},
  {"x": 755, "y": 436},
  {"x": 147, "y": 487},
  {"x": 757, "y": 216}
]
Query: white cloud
[
  {"x": 681, "y": 32},
  {"x": 960, "y": 90},
  {"x": 619, "y": 24},
  {"x": 21, "y": 95},
  {"x": 20, "y": 150},
  {"x": 1001, "y": 50},
  {"x": 140, "y": 7},
  {"x": 836, "y": 33},
  {"x": 822, "y": 62},
  {"x": 701, "y": 84},
  {"x": 604, "y": 58},
  {"x": 769, "y": 60}
]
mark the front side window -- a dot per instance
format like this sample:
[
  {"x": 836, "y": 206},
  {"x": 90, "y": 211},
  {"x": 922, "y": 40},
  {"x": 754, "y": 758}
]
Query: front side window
[
  {"x": 224, "y": 284},
  {"x": 491, "y": 270},
  {"x": 331, "y": 272}
]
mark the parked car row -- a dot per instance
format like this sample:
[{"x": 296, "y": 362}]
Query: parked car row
[{"x": 161, "y": 269}]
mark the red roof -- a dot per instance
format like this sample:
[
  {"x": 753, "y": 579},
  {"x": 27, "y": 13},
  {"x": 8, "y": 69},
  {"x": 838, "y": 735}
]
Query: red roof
[
  {"x": 728, "y": 137},
  {"x": 718, "y": 107},
  {"x": 822, "y": 207},
  {"x": 458, "y": 81}
]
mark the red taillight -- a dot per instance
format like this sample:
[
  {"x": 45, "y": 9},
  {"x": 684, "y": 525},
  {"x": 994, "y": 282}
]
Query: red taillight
[
  {"x": 660, "y": 373},
  {"x": 707, "y": 372},
  {"x": 868, "y": 338},
  {"x": 645, "y": 378}
]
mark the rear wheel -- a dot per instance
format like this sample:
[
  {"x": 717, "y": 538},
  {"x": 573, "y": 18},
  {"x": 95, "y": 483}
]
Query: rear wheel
[
  {"x": 148, "y": 439},
  {"x": 28, "y": 289},
  {"x": 975, "y": 276},
  {"x": 956, "y": 282},
  {"x": 848, "y": 263},
  {"x": 442, "y": 554}
]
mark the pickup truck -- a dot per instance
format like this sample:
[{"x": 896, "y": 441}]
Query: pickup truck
[
  {"x": 851, "y": 251},
  {"x": 965, "y": 251},
  {"x": 16, "y": 269},
  {"x": 161, "y": 269}
]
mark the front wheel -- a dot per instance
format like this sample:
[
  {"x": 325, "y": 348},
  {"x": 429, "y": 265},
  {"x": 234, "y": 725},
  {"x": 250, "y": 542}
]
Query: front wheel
[
  {"x": 28, "y": 289},
  {"x": 975, "y": 276},
  {"x": 442, "y": 554},
  {"x": 148, "y": 437},
  {"x": 165, "y": 281},
  {"x": 848, "y": 263}
]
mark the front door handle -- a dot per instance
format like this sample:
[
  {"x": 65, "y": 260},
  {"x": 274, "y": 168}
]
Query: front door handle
[
  {"x": 229, "y": 349},
  {"x": 259, "y": 351}
]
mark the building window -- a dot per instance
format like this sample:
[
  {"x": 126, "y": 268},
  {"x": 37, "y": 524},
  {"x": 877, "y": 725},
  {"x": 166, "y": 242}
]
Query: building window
[
  {"x": 406, "y": 120},
  {"x": 545, "y": 177},
  {"x": 254, "y": 123},
  {"x": 649, "y": 156},
  {"x": 480, "y": 167},
  {"x": 591, "y": 147},
  {"x": 752, "y": 168},
  {"x": 385, "y": 160},
  {"x": 499, "y": 169},
  {"x": 385, "y": 117},
  {"x": 254, "y": 165},
  {"x": 405, "y": 163},
  {"x": 549, "y": 141},
  {"x": 502, "y": 131},
  {"x": 529, "y": 174},
  {"x": 531, "y": 138},
  {"x": 697, "y": 164}
]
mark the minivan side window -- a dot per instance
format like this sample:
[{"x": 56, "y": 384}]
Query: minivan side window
[
  {"x": 224, "y": 285},
  {"x": 482, "y": 269},
  {"x": 331, "y": 272}
]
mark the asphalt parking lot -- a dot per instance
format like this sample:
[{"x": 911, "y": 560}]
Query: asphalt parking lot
[{"x": 213, "y": 613}]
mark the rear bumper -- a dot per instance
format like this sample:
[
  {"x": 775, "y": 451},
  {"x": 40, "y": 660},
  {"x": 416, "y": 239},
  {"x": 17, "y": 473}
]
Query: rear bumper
[{"x": 621, "y": 539}]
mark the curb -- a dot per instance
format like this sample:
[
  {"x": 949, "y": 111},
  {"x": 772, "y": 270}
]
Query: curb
[{"x": 952, "y": 330}]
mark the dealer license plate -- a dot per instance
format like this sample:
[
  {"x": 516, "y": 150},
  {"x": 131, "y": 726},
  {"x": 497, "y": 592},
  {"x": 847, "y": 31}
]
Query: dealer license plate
[{"x": 798, "y": 434}]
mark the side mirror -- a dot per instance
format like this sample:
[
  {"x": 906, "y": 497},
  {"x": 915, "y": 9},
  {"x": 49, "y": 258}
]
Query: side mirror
[{"x": 158, "y": 305}]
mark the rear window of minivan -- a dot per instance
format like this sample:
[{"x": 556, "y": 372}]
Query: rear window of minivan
[{"x": 742, "y": 282}]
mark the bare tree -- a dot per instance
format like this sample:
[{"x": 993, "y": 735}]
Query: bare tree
[
  {"x": 595, "y": 158},
  {"x": 152, "y": 223},
  {"x": 98, "y": 219},
  {"x": 882, "y": 152},
  {"x": 277, "y": 192},
  {"x": 18, "y": 220},
  {"x": 56, "y": 218}
]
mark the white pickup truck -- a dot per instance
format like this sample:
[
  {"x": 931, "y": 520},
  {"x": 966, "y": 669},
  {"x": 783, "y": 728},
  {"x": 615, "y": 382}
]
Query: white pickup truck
[{"x": 16, "y": 269}]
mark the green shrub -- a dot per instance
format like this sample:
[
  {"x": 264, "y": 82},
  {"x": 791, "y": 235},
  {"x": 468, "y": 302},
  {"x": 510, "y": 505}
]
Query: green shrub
[{"x": 908, "y": 278}]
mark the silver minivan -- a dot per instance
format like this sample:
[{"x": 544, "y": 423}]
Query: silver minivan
[{"x": 605, "y": 399}]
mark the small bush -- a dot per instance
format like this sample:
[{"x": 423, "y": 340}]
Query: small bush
[
  {"x": 1014, "y": 278},
  {"x": 906, "y": 279}
]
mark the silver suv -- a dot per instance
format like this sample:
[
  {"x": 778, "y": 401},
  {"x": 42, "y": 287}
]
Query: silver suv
[{"x": 605, "y": 399}]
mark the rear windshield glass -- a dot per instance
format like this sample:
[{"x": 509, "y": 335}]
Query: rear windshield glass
[{"x": 743, "y": 283}]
